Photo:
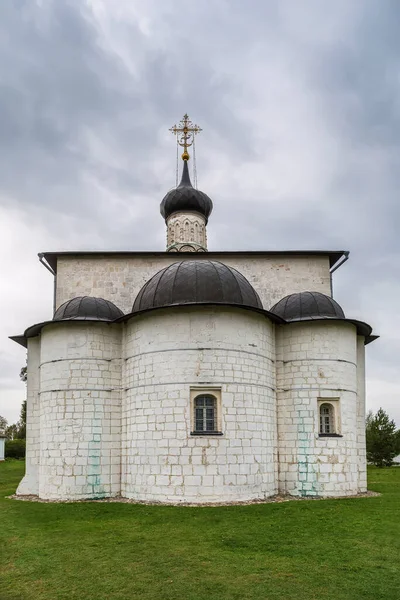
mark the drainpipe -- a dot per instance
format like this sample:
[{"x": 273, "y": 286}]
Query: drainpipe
[
  {"x": 346, "y": 254},
  {"x": 48, "y": 267}
]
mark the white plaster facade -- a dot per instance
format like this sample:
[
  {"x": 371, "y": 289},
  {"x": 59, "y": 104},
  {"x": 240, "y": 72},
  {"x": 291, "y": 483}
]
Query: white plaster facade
[
  {"x": 113, "y": 405},
  {"x": 110, "y": 409},
  {"x": 170, "y": 352},
  {"x": 2, "y": 446},
  {"x": 320, "y": 362},
  {"x": 186, "y": 232},
  {"x": 119, "y": 277}
]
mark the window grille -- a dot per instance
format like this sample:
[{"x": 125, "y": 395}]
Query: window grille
[
  {"x": 326, "y": 418},
  {"x": 205, "y": 413}
]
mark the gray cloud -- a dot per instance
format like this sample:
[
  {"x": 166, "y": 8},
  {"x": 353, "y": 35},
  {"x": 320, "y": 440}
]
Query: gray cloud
[{"x": 299, "y": 106}]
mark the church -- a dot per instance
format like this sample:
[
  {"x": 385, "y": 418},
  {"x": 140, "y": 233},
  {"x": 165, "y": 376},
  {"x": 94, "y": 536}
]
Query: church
[{"x": 194, "y": 376}]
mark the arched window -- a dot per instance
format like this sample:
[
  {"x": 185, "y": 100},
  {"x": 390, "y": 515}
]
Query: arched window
[
  {"x": 205, "y": 413},
  {"x": 326, "y": 418}
]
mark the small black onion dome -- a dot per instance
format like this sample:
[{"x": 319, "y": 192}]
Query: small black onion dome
[
  {"x": 196, "y": 282},
  {"x": 307, "y": 305},
  {"x": 186, "y": 198},
  {"x": 88, "y": 308}
]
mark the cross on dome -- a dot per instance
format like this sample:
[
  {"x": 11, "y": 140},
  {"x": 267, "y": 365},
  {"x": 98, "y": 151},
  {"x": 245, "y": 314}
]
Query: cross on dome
[{"x": 185, "y": 132}]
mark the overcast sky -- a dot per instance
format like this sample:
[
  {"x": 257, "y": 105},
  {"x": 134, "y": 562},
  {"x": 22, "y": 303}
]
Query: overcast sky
[{"x": 299, "y": 101}]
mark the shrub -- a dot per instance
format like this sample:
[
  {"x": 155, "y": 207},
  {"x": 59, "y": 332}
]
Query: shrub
[{"x": 15, "y": 449}]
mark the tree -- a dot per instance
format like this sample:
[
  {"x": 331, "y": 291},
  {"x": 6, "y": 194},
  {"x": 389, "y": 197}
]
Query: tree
[
  {"x": 16, "y": 431},
  {"x": 3, "y": 424},
  {"x": 23, "y": 374},
  {"x": 12, "y": 431},
  {"x": 22, "y": 422},
  {"x": 382, "y": 439}
]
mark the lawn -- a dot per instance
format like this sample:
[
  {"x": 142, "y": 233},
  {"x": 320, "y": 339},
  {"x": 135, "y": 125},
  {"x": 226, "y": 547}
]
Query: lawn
[{"x": 306, "y": 550}]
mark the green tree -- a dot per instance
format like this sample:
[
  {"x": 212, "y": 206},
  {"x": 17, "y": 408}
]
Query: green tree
[
  {"x": 3, "y": 424},
  {"x": 12, "y": 431},
  {"x": 23, "y": 374},
  {"x": 381, "y": 438},
  {"x": 22, "y": 422}
]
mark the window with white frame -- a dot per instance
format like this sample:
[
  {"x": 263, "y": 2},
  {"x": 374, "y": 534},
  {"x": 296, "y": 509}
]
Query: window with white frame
[
  {"x": 205, "y": 409},
  {"x": 205, "y": 413},
  {"x": 329, "y": 421},
  {"x": 326, "y": 418}
]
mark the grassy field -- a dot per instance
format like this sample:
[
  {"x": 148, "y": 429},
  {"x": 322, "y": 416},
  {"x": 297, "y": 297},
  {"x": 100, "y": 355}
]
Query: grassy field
[{"x": 307, "y": 550}]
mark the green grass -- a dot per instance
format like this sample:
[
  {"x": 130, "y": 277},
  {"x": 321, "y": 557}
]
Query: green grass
[{"x": 336, "y": 549}]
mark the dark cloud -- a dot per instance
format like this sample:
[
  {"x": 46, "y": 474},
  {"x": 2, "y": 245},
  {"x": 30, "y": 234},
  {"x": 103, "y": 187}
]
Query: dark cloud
[{"x": 299, "y": 103}]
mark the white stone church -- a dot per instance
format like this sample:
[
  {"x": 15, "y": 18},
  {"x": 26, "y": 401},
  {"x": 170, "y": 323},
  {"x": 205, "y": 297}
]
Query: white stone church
[{"x": 192, "y": 376}]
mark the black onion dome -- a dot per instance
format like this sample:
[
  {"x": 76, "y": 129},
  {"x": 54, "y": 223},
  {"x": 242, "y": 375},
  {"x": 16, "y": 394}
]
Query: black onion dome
[
  {"x": 186, "y": 198},
  {"x": 88, "y": 308},
  {"x": 307, "y": 305},
  {"x": 196, "y": 282}
]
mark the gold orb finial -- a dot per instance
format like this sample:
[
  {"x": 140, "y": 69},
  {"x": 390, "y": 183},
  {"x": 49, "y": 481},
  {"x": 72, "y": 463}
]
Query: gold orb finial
[{"x": 185, "y": 155}]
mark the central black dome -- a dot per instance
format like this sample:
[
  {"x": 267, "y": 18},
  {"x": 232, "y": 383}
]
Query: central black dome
[
  {"x": 186, "y": 198},
  {"x": 196, "y": 282}
]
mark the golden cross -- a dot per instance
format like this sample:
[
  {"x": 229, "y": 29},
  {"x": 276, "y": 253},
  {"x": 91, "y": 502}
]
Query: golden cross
[{"x": 185, "y": 132}]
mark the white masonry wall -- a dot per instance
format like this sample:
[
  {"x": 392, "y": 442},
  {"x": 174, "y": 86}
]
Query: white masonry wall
[
  {"x": 318, "y": 360},
  {"x": 186, "y": 228},
  {"x": 361, "y": 400},
  {"x": 30, "y": 482},
  {"x": 120, "y": 278},
  {"x": 2, "y": 447},
  {"x": 167, "y": 352},
  {"x": 80, "y": 411}
]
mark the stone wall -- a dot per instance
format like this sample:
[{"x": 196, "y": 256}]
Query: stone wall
[
  {"x": 110, "y": 412},
  {"x": 361, "y": 443},
  {"x": 315, "y": 361},
  {"x": 30, "y": 482},
  {"x": 184, "y": 229},
  {"x": 169, "y": 351},
  {"x": 80, "y": 411},
  {"x": 120, "y": 278}
]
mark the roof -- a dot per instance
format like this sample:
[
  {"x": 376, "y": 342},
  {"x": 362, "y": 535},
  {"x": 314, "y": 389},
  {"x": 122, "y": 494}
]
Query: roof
[
  {"x": 186, "y": 198},
  {"x": 307, "y": 305},
  {"x": 313, "y": 306},
  {"x": 86, "y": 308},
  {"x": 333, "y": 255},
  {"x": 34, "y": 330},
  {"x": 196, "y": 282}
]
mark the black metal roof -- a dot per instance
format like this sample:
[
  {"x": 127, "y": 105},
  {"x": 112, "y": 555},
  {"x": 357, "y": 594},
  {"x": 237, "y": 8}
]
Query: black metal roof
[
  {"x": 333, "y": 255},
  {"x": 314, "y": 306},
  {"x": 82, "y": 308},
  {"x": 190, "y": 287},
  {"x": 186, "y": 198},
  {"x": 196, "y": 282},
  {"x": 307, "y": 305},
  {"x": 88, "y": 308}
]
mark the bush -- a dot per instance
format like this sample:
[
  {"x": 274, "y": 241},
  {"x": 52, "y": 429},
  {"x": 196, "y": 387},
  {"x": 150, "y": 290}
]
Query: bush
[{"x": 15, "y": 449}]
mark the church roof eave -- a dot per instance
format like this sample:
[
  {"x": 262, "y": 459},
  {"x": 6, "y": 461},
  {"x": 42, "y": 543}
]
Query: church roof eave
[{"x": 334, "y": 255}]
